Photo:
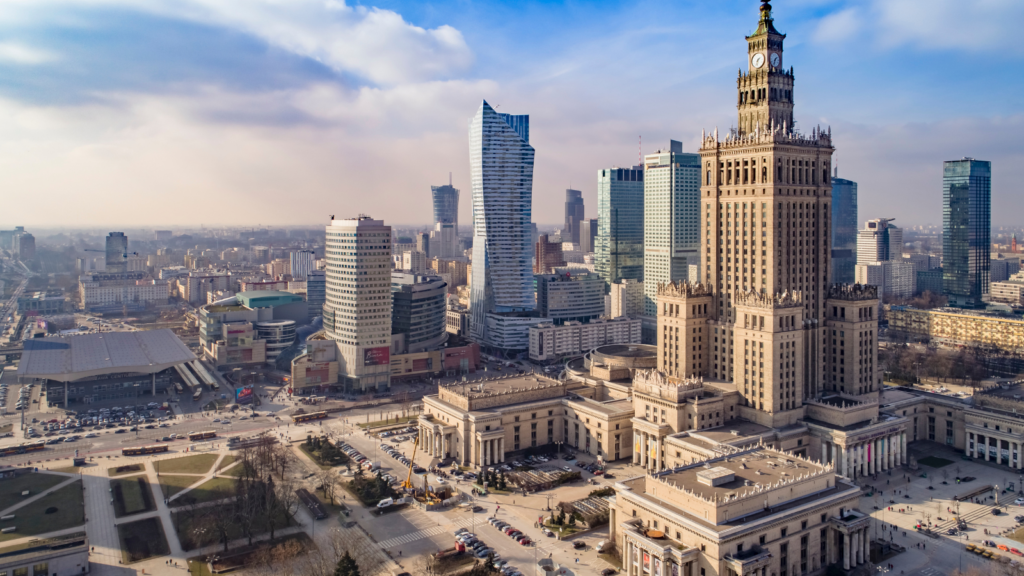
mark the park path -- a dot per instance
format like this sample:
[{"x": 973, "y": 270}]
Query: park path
[
  {"x": 32, "y": 499},
  {"x": 205, "y": 477}
]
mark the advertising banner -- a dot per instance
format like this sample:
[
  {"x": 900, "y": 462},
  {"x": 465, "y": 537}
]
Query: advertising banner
[
  {"x": 243, "y": 395},
  {"x": 377, "y": 356}
]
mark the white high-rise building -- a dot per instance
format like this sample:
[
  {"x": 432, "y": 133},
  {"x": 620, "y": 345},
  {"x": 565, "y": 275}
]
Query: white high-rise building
[
  {"x": 894, "y": 278},
  {"x": 671, "y": 223},
  {"x": 302, "y": 263},
  {"x": 444, "y": 241},
  {"x": 879, "y": 241},
  {"x": 627, "y": 298},
  {"x": 501, "y": 168},
  {"x": 415, "y": 261},
  {"x": 357, "y": 311}
]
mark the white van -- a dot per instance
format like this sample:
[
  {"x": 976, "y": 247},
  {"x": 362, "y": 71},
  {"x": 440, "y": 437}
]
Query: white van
[
  {"x": 385, "y": 503},
  {"x": 601, "y": 546}
]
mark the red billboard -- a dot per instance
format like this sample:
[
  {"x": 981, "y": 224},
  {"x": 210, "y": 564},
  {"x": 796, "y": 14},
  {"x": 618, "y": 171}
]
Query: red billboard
[
  {"x": 243, "y": 395},
  {"x": 377, "y": 356}
]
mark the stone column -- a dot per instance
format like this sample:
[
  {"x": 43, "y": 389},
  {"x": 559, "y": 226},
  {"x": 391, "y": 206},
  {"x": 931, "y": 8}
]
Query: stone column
[
  {"x": 154, "y": 383},
  {"x": 846, "y": 551},
  {"x": 880, "y": 456},
  {"x": 903, "y": 448},
  {"x": 967, "y": 444},
  {"x": 501, "y": 449},
  {"x": 867, "y": 546},
  {"x": 842, "y": 465}
]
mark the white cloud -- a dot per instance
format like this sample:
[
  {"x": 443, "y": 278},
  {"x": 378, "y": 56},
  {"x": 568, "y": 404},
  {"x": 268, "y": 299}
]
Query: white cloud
[
  {"x": 839, "y": 26},
  {"x": 16, "y": 53},
  {"x": 372, "y": 43},
  {"x": 974, "y": 25}
]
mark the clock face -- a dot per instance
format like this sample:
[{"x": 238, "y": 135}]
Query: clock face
[
  {"x": 757, "y": 60},
  {"x": 775, "y": 60}
]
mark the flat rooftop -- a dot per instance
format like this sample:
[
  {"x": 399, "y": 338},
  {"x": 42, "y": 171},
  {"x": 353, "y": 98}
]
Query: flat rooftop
[
  {"x": 760, "y": 467},
  {"x": 628, "y": 350},
  {"x": 724, "y": 433},
  {"x": 612, "y": 407},
  {"x": 88, "y": 355},
  {"x": 502, "y": 384}
]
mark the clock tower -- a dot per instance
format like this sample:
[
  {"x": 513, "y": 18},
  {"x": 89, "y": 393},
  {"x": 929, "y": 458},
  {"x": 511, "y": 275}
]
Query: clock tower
[{"x": 766, "y": 90}]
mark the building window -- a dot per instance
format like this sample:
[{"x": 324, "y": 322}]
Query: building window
[{"x": 40, "y": 569}]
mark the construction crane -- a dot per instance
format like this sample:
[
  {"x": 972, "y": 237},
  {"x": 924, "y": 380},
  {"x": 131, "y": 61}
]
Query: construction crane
[
  {"x": 124, "y": 280},
  {"x": 407, "y": 485}
]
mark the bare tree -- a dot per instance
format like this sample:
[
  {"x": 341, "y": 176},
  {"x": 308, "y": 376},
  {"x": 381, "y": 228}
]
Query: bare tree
[{"x": 328, "y": 483}]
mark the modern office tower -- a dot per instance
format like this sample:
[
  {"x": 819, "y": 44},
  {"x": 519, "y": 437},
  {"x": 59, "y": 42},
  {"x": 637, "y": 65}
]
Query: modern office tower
[
  {"x": 446, "y": 205},
  {"x": 573, "y": 216},
  {"x": 419, "y": 312},
  {"x": 357, "y": 313},
  {"x": 567, "y": 296},
  {"x": 501, "y": 166},
  {"x": 619, "y": 250},
  {"x": 301, "y": 264},
  {"x": 23, "y": 246},
  {"x": 278, "y": 334},
  {"x": 765, "y": 249},
  {"x": 547, "y": 255},
  {"x": 671, "y": 223},
  {"x": 316, "y": 292},
  {"x": 117, "y": 252},
  {"x": 844, "y": 229},
  {"x": 444, "y": 242},
  {"x": 588, "y": 235},
  {"x": 879, "y": 241},
  {"x": 423, "y": 243},
  {"x": 627, "y": 298},
  {"x": 894, "y": 278},
  {"x": 966, "y": 230}
]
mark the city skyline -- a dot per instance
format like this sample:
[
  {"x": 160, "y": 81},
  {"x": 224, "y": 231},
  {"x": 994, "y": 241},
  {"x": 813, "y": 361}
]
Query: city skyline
[{"x": 238, "y": 143}]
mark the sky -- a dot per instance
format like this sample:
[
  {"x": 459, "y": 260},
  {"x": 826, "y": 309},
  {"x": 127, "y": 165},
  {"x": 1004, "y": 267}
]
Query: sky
[{"x": 283, "y": 112}]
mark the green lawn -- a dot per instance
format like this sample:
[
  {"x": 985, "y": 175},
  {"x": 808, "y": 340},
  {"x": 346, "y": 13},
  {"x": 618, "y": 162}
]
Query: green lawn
[
  {"x": 141, "y": 540},
  {"x": 69, "y": 469},
  {"x": 215, "y": 489},
  {"x": 131, "y": 496},
  {"x": 57, "y": 510},
  {"x": 129, "y": 469},
  {"x": 234, "y": 472},
  {"x": 934, "y": 461},
  {"x": 197, "y": 464},
  {"x": 227, "y": 461},
  {"x": 11, "y": 488},
  {"x": 171, "y": 485}
]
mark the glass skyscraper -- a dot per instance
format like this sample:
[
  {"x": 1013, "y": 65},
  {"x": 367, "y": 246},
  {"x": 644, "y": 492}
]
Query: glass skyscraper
[
  {"x": 501, "y": 168},
  {"x": 573, "y": 215},
  {"x": 446, "y": 205},
  {"x": 844, "y": 230},
  {"x": 966, "y": 230},
  {"x": 619, "y": 250},
  {"x": 671, "y": 224}
]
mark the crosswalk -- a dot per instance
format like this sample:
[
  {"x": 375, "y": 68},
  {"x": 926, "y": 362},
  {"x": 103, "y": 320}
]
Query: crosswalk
[
  {"x": 425, "y": 533},
  {"x": 930, "y": 572}
]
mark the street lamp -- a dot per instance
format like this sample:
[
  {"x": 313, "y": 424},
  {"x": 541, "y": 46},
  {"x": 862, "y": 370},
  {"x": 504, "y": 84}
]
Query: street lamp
[
  {"x": 559, "y": 443},
  {"x": 137, "y": 385}
]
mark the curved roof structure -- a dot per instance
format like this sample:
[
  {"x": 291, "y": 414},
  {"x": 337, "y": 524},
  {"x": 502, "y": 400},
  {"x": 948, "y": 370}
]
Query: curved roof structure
[{"x": 85, "y": 356}]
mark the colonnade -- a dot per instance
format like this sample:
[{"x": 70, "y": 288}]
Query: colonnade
[
  {"x": 643, "y": 457},
  {"x": 868, "y": 457},
  {"x": 436, "y": 444},
  {"x": 856, "y": 546},
  {"x": 633, "y": 564},
  {"x": 490, "y": 452},
  {"x": 990, "y": 448}
]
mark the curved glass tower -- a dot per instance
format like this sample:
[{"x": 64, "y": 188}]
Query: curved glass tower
[{"x": 501, "y": 167}]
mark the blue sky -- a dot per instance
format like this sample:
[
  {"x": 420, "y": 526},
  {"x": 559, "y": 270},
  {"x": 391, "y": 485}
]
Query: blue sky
[{"x": 280, "y": 112}]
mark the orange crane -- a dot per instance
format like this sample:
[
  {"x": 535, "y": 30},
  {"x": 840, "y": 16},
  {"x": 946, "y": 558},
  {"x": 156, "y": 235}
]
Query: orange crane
[{"x": 407, "y": 485}]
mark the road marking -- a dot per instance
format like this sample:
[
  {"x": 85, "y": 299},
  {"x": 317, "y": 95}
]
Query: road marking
[
  {"x": 426, "y": 533},
  {"x": 930, "y": 572}
]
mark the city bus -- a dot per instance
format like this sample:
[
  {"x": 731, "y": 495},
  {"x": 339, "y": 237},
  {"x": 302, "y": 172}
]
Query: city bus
[
  {"x": 140, "y": 450},
  {"x": 196, "y": 436},
  {"x": 298, "y": 418},
  {"x": 23, "y": 448}
]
